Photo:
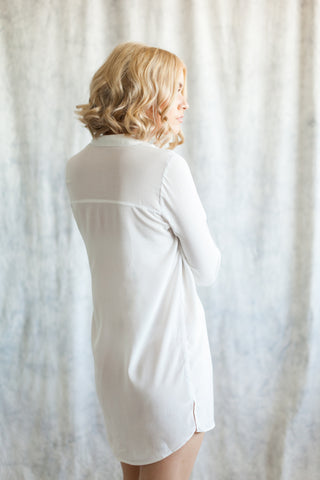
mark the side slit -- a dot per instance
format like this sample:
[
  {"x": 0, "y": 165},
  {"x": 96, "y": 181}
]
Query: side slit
[{"x": 194, "y": 415}]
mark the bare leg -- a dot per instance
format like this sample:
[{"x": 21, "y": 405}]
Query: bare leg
[
  {"x": 130, "y": 472},
  {"x": 177, "y": 466}
]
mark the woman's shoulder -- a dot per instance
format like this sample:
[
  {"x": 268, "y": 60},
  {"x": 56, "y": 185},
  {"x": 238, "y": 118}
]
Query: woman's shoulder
[{"x": 169, "y": 156}]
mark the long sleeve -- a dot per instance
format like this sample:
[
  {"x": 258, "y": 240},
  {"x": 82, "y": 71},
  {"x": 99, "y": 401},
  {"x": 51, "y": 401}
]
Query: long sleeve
[{"x": 181, "y": 207}]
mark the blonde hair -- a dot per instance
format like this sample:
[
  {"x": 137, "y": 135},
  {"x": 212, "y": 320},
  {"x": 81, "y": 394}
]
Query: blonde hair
[{"x": 134, "y": 79}]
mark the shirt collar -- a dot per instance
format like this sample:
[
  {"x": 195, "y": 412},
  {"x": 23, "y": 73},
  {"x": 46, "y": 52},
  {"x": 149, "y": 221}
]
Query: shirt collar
[{"x": 118, "y": 140}]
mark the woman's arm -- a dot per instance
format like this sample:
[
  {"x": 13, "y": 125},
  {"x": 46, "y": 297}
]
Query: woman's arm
[{"x": 183, "y": 210}]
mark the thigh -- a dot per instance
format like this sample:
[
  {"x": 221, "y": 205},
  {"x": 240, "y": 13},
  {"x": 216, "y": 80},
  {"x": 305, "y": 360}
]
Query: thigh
[
  {"x": 130, "y": 472},
  {"x": 178, "y": 465}
]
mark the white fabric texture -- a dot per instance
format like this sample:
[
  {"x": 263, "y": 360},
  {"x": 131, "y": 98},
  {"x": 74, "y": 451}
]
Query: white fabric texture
[
  {"x": 252, "y": 136},
  {"x": 148, "y": 241}
]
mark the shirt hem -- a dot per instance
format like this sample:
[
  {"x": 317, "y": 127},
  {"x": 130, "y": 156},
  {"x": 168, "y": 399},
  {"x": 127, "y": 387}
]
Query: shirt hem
[{"x": 157, "y": 458}]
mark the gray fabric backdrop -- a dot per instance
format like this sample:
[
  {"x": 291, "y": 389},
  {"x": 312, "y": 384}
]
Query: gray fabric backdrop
[{"x": 252, "y": 143}]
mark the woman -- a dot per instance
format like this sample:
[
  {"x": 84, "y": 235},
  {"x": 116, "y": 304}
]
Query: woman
[{"x": 148, "y": 245}]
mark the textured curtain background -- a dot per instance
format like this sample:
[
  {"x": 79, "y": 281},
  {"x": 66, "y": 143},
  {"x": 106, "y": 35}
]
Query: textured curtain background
[{"x": 252, "y": 143}]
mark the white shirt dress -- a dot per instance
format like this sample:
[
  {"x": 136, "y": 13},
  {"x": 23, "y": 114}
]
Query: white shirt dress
[{"x": 148, "y": 245}]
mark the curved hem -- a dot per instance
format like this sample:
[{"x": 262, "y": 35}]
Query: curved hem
[{"x": 162, "y": 457}]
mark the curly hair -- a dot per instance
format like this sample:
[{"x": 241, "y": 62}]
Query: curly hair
[{"x": 132, "y": 92}]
